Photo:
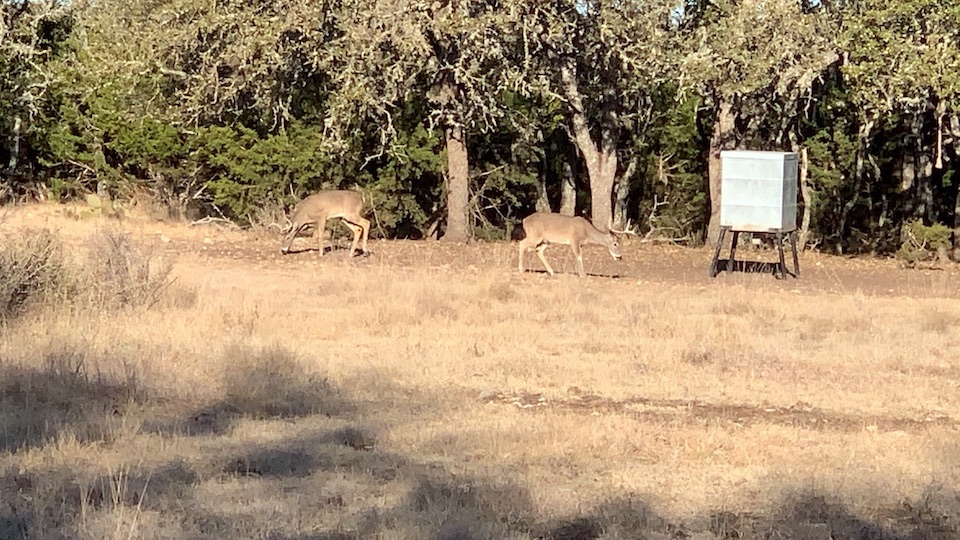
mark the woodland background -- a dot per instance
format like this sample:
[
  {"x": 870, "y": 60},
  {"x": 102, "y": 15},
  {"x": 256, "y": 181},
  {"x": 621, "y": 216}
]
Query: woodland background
[{"x": 458, "y": 118}]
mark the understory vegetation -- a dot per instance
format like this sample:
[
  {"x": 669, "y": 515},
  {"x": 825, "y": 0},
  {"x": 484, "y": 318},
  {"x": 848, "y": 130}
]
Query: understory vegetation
[{"x": 457, "y": 120}]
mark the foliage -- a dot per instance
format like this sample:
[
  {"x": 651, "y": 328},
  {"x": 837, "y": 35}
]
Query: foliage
[
  {"x": 405, "y": 185},
  {"x": 901, "y": 54},
  {"x": 767, "y": 49},
  {"x": 94, "y": 136},
  {"x": 245, "y": 169},
  {"x": 923, "y": 243},
  {"x": 831, "y": 140},
  {"x": 673, "y": 175},
  {"x": 31, "y": 38},
  {"x": 232, "y": 107}
]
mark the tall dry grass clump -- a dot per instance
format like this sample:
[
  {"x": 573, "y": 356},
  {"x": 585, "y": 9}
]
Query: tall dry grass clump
[
  {"x": 36, "y": 270},
  {"x": 33, "y": 269},
  {"x": 120, "y": 272}
]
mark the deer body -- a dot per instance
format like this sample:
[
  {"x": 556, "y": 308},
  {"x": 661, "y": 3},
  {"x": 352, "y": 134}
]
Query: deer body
[
  {"x": 543, "y": 229},
  {"x": 324, "y": 205}
]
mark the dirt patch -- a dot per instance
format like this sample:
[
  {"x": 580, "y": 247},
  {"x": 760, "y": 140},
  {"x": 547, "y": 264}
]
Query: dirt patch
[{"x": 644, "y": 263}]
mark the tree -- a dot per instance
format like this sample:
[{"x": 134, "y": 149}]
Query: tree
[
  {"x": 31, "y": 34},
  {"x": 903, "y": 60},
  {"x": 746, "y": 58},
  {"x": 451, "y": 51},
  {"x": 603, "y": 60}
]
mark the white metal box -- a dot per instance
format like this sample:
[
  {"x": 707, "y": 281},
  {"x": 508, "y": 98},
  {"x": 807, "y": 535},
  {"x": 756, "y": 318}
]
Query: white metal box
[{"x": 758, "y": 190}]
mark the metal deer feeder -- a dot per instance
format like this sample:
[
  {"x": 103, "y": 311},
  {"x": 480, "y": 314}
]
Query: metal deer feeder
[{"x": 758, "y": 193}]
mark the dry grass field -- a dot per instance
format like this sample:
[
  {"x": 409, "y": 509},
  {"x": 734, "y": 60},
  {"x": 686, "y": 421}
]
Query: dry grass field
[{"x": 428, "y": 391}]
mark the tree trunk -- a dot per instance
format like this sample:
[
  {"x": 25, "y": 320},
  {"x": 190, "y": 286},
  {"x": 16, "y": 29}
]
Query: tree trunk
[
  {"x": 864, "y": 135},
  {"x": 458, "y": 185},
  {"x": 543, "y": 202},
  {"x": 922, "y": 172},
  {"x": 601, "y": 161},
  {"x": 722, "y": 138},
  {"x": 568, "y": 191},
  {"x": 15, "y": 146},
  {"x": 927, "y": 209},
  {"x": 622, "y": 192},
  {"x": 806, "y": 194},
  {"x": 908, "y": 179},
  {"x": 955, "y": 138}
]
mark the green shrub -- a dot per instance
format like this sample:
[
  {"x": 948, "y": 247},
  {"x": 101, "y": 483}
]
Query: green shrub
[{"x": 921, "y": 243}]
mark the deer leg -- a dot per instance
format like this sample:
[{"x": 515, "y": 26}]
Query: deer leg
[
  {"x": 318, "y": 233},
  {"x": 578, "y": 253},
  {"x": 525, "y": 246},
  {"x": 543, "y": 259},
  {"x": 357, "y": 230},
  {"x": 365, "y": 223},
  {"x": 523, "y": 249},
  {"x": 361, "y": 232}
]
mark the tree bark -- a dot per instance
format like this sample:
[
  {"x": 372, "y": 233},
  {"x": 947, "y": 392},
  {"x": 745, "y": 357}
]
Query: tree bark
[
  {"x": 568, "y": 191},
  {"x": 458, "y": 185},
  {"x": 722, "y": 138},
  {"x": 622, "y": 193},
  {"x": 806, "y": 194},
  {"x": 927, "y": 208},
  {"x": 908, "y": 177},
  {"x": 15, "y": 146},
  {"x": 955, "y": 137},
  {"x": 543, "y": 201},
  {"x": 864, "y": 134},
  {"x": 601, "y": 160},
  {"x": 921, "y": 172}
]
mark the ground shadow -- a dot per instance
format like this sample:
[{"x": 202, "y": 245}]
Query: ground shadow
[
  {"x": 574, "y": 274},
  {"x": 65, "y": 399},
  {"x": 331, "y": 250},
  {"x": 260, "y": 383},
  {"x": 38, "y": 405},
  {"x": 809, "y": 514},
  {"x": 752, "y": 267},
  {"x": 432, "y": 501}
]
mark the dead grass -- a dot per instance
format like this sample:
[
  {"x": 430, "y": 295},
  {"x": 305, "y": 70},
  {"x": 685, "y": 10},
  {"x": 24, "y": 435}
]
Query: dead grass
[{"x": 377, "y": 399}]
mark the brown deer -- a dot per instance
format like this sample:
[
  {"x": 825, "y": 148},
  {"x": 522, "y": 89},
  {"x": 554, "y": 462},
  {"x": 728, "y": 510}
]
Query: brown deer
[
  {"x": 324, "y": 205},
  {"x": 543, "y": 229}
]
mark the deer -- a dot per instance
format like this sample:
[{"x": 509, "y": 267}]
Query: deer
[
  {"x": 545, "y": 228},
  {"x": 316, "y": 209}
]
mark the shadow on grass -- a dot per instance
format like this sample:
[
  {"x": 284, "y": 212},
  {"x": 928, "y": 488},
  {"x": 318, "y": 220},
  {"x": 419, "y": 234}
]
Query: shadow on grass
[
  {"x": 437, "y": 505},
  {"x": 64, "y": 399},
  {"x": 572, "y": 273},
  {"x": 340, "y": 483},
  {"x": 752, "y": 267},
  {"x": 261, "y": 383}
]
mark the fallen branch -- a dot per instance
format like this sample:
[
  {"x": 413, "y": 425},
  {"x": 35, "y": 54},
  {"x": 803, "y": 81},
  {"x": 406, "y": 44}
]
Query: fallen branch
[{"x": 210, "y": 219}]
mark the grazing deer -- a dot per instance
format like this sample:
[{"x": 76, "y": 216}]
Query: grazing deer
[
  {"x": 319, "y": 207},
  {"x": 543, "y": 229}
]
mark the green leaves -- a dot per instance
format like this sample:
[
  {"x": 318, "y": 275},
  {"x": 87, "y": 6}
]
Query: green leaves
[
  {"x": 246, "y": 169},
  {"x": 902, "y": 54},
  {"x": 767, "y": 48}
]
